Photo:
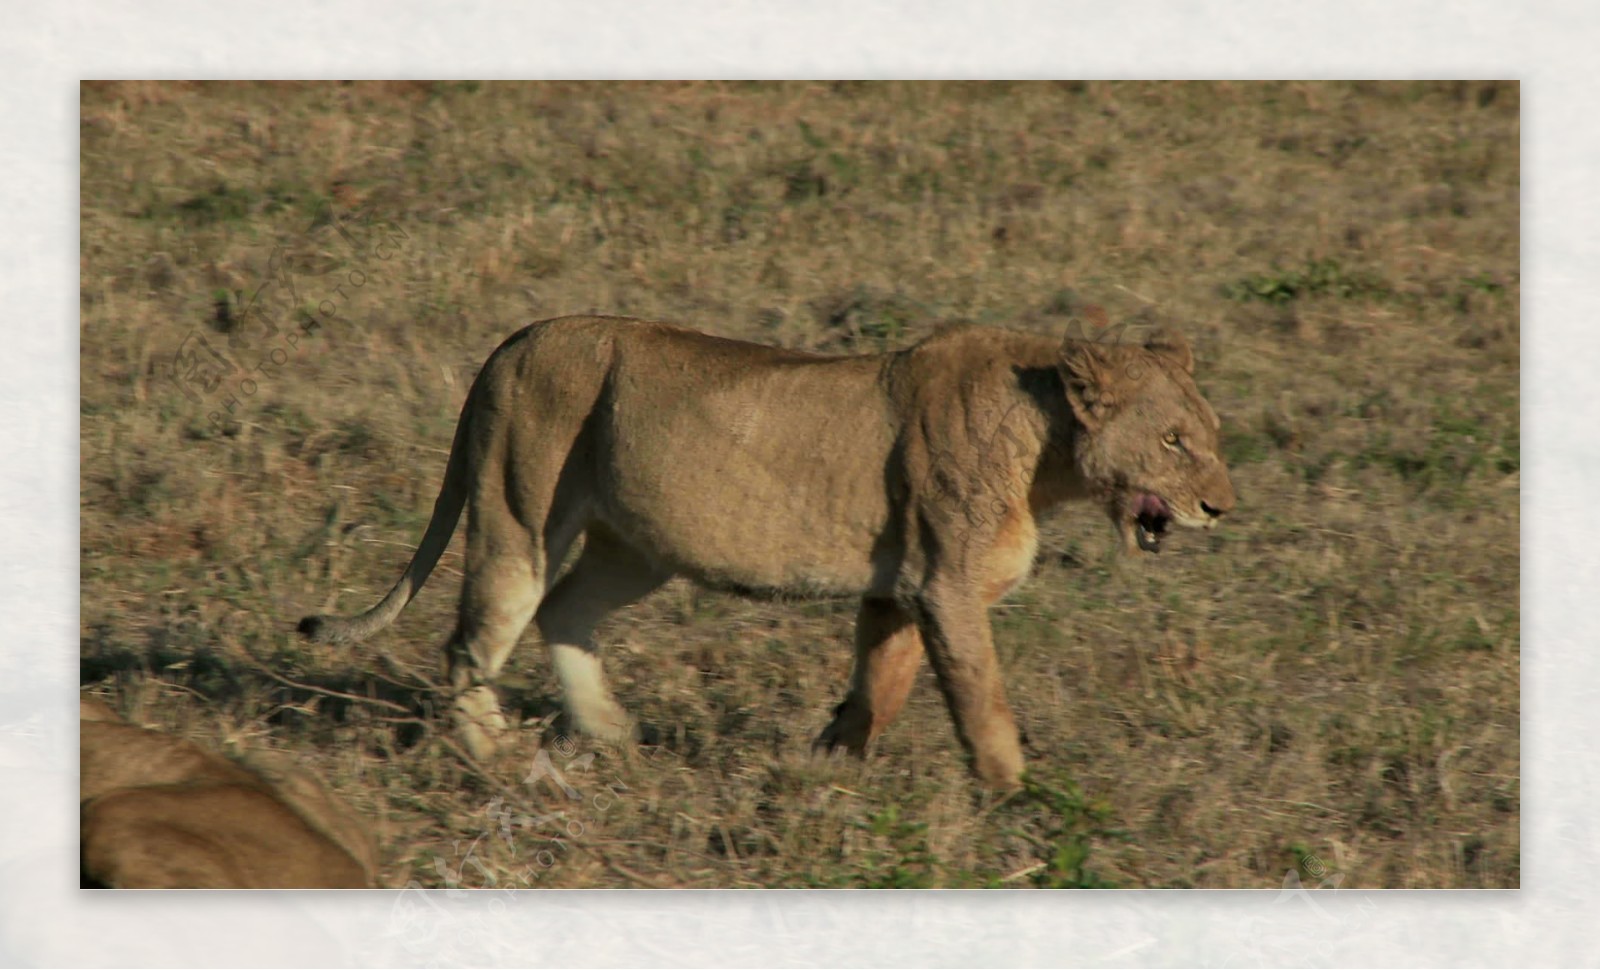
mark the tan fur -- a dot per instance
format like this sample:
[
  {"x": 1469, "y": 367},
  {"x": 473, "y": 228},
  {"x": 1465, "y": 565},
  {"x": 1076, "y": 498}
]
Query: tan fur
[
  {"x": 160, "y": 812},
  {"x": 912, "y": 479}
]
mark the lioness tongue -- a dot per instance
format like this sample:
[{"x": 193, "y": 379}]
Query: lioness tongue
[{"x": 1150, "y": 505}]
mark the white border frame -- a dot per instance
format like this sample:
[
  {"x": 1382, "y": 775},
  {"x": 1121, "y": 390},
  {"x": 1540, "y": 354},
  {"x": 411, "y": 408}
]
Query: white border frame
[{"x": 46, "y": 921}]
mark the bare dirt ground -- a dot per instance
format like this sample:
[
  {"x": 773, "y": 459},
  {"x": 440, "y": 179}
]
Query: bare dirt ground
[{"x": 1327, "y": 687}]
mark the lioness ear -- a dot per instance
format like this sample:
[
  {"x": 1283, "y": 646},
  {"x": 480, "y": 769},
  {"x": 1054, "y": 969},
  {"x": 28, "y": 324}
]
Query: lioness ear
[
  {"x": 1170, "y": 344},
  {"x": 1086, "y": 375}
]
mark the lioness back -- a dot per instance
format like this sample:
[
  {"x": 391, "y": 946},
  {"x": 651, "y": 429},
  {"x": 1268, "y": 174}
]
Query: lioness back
[{"x": 740, "y": 465}]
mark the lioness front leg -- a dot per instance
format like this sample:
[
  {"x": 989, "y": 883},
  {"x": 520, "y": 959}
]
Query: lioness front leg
[
  {"x": 956, "y": 634},
  {"x": 888, "y": 653}
]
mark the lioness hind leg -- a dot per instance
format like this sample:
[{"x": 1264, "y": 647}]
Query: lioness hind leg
[
  {"x": 607, "y": 576},
  {"x": 888, "y": 653},
  {"x": 498, "y": 598}
]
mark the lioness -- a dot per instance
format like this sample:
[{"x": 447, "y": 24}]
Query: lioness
[
  {"x": 911, "y": 479},
  {"x": 160, "y": 812}
]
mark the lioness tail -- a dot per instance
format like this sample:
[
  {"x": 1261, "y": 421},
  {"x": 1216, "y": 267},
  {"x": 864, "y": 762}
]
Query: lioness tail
[{"x": 446, "y": 512}]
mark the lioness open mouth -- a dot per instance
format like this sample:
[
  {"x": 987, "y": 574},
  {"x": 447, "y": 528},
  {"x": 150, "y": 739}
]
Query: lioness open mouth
[{"x": 1150, "y": 518}]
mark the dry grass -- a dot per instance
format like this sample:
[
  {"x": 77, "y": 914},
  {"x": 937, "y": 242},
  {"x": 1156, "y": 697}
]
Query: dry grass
[{"x": 1331, "y": 684}]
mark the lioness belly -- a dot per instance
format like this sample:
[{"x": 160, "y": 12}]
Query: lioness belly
[{"x": 760, "y": 478}]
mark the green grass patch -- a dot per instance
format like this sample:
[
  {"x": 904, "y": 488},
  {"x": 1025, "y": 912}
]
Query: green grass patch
[{"x": 1324, "y": 277}]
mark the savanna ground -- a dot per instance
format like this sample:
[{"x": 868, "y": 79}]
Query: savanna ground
[{"x": 1327, "y": 686}]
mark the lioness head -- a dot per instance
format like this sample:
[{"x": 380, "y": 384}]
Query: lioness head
[{"x": 1148, "y": 447}]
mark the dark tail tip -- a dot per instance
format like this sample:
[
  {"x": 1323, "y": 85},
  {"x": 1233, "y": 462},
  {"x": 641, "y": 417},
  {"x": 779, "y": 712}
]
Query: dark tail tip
[{"x": 310, "y": 627}]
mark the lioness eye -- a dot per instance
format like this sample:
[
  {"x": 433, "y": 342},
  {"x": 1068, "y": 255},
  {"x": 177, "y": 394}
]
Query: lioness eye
[{"x": 1171, "y": 439}]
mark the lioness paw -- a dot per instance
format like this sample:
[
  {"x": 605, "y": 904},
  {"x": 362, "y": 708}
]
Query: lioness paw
[
  {"x": 603, "y": 721},
  {"x": 478, "y": 722}
]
